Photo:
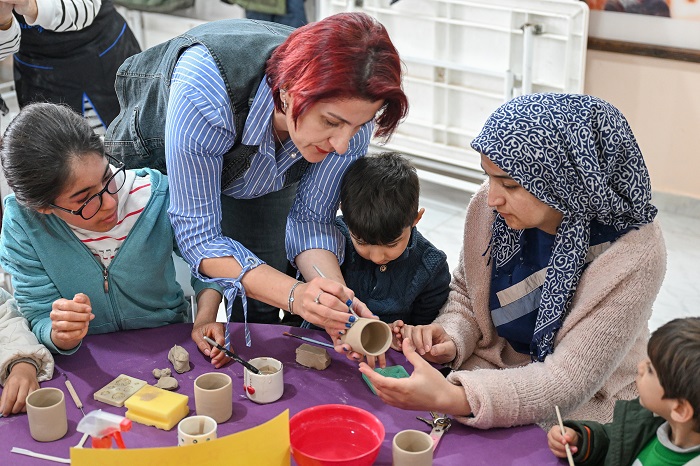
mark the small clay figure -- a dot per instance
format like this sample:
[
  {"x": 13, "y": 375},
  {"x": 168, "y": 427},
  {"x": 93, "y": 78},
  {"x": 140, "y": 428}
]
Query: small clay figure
[
  {"x": 313, "y": 356},
  {"x": 167, "y": 383},
  {"x": 158, "y": 373},
  {"x": 180, "y": 359}
]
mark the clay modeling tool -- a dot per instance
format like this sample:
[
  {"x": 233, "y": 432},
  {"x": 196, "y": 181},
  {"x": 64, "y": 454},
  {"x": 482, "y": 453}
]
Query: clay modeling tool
[
  {"x": 566, "y": 445},
  {"x": 73, "y": 394},
  {"x": 309, "y": 340},
  {"x": 232, "y": 355},
  {"x": 349, "y": 301},
  {"x": 24, "y": 451}
]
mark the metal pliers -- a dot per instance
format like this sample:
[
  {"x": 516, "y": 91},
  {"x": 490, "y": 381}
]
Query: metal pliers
[{"x": 440, "y": 424}]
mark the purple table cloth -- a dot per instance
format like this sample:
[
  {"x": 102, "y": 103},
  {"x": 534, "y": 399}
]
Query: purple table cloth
[{"x": 136, "y": 353}]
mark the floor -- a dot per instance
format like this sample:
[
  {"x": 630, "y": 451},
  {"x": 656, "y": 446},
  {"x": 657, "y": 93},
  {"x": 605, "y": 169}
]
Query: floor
[{"x": 443, "y": 223}]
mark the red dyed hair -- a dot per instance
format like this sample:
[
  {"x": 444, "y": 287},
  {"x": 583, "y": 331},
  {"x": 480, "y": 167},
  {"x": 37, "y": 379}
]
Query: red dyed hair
[{"x": 344, "y": 56}]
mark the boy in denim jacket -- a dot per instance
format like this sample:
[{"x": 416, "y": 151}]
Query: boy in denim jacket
[{"x": 389, "y": 265}]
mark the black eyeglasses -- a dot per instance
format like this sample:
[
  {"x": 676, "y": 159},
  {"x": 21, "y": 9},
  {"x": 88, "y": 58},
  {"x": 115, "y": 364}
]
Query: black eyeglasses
[{"x": 93, "y": 205}]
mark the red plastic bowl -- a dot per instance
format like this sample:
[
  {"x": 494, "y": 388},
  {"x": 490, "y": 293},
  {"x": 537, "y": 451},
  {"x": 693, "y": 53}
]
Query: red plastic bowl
[{"x": 337, "y": 435}]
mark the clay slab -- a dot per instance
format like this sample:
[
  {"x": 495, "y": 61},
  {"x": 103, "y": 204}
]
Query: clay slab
[{"x": 313, "y": 356}]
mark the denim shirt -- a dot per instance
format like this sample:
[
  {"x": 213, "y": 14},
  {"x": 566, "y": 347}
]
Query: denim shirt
[{"x": 137, "y": 135}]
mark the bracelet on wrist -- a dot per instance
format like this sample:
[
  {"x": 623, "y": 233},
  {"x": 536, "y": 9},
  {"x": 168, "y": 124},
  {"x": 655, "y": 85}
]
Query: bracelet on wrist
[{"x": 291, "y": 298}]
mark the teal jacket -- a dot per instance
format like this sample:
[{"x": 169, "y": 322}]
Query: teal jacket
[{"x": 138, "y": 289}]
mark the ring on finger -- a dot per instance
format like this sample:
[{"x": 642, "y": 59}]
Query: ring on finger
[{"x": 318, "y": 297}]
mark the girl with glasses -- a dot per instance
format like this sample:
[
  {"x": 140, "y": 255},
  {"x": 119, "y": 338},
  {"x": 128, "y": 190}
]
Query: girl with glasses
[{"x": 88, "y": 244}]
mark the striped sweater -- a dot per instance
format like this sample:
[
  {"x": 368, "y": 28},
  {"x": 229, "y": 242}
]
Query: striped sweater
[{"x": 54, "y": 15}]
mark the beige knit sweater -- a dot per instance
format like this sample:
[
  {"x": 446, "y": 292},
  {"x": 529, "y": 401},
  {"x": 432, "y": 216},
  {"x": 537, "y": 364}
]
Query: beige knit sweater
[{"x": 596, "y": 351}]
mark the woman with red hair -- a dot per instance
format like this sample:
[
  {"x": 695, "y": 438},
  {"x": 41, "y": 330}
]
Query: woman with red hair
[{"x": 261, "y": 122}]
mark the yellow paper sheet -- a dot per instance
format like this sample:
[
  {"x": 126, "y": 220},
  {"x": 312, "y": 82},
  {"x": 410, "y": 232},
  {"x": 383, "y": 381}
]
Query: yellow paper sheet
[{"x": 266, "y": 444}]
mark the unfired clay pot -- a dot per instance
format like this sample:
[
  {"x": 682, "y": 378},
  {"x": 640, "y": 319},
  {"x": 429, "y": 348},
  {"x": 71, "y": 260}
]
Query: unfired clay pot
[
  {"x": 46, "y": 412},
  {"x": 412, "y": 448},
  {"x": 213, "y": 396},
  {"x": 371, "y": 337}
]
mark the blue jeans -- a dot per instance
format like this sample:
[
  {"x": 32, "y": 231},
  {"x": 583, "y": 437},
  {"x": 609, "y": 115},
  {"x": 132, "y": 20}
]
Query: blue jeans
[
  {"x": 295, "y": 17},
  {"x": 260, "y": 225}
]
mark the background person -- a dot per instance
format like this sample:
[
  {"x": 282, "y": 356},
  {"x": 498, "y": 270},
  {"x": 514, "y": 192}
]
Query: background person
[
  {"x": 561, "y": 263},
  {"x": 66, "y": 52}
]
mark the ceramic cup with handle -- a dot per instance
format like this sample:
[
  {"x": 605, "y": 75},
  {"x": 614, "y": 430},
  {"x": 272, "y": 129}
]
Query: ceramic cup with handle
[
  {"x": 268, "y": 385},
  {"x": 196, "y": 429},
  {"x": 213, "y": 396},
  {"x": 412, "y": 448},
  {"x": 46, "y": 412},
  {"x": 370, "y": 337}
]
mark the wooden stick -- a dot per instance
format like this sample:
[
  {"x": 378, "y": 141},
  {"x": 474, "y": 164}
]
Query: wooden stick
[{"x": 566, "y": 445}]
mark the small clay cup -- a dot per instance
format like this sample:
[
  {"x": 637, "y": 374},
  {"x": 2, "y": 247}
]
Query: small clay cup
[
  {"x": 412, "y": 448},
  {"x": 46, "y": 412},
  {"x": 370, "y": 337},
  {"x": 196, "y": 429},
  {"x": 267, "y": 386},
  {"x": 213, "y": 396}
]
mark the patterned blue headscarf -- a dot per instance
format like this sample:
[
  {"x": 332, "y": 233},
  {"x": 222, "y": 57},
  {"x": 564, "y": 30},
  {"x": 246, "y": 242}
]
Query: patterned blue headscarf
[{"x": 577, "y": 154}]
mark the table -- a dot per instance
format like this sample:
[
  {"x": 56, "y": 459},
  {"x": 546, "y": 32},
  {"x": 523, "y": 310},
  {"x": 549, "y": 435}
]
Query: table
[{"x": 136, "y": 353}]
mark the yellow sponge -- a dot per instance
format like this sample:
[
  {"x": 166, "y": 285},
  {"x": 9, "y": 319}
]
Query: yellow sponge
[{"x": 154, "y": 406}]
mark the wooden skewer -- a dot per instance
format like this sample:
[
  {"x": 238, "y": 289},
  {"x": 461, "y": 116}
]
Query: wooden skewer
[{"x": 566, "y": 445}]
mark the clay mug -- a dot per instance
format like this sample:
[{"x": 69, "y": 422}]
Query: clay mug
[
  {"x": 370, "y": 337},
  {"x": 268, "y": 385},
  {"x": 412, "y": 448},
  {"x": 196, "y": 429},
  {"x": 213, "y": 396},
  {"x": 46, "y": 412}
]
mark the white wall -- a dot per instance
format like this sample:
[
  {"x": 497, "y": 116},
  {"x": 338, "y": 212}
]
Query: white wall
[{"x": 661, "y": 100}]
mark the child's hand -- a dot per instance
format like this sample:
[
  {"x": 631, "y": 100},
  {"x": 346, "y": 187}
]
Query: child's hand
[
  {"x": 20, "y": 383},
  {"x": 70, "y": 319},
  {"x": 397, "y": 331},
  {"x": 556, "y": 441}
]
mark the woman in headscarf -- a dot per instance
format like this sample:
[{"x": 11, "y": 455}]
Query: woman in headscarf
[{"x": 561, "y": 263}]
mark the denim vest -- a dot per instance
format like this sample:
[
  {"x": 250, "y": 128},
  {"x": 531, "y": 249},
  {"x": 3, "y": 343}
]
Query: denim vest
[{"x": 240, "y": 48}]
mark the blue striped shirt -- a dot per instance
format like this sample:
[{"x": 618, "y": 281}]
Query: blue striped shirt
[{"x": 199, "y": 129}]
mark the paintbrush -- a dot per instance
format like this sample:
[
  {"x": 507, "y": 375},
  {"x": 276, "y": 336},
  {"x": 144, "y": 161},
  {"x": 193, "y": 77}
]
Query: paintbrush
[
  {"x": 566, "y": 445},
  {"x": 309, "y": 340},
  {"x": 233, "y": 355},
  {"x": 348, "y": 302}
]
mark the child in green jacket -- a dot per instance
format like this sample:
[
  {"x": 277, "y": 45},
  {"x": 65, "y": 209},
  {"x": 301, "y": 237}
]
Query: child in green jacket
[{"x": 662, "y": 426}]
